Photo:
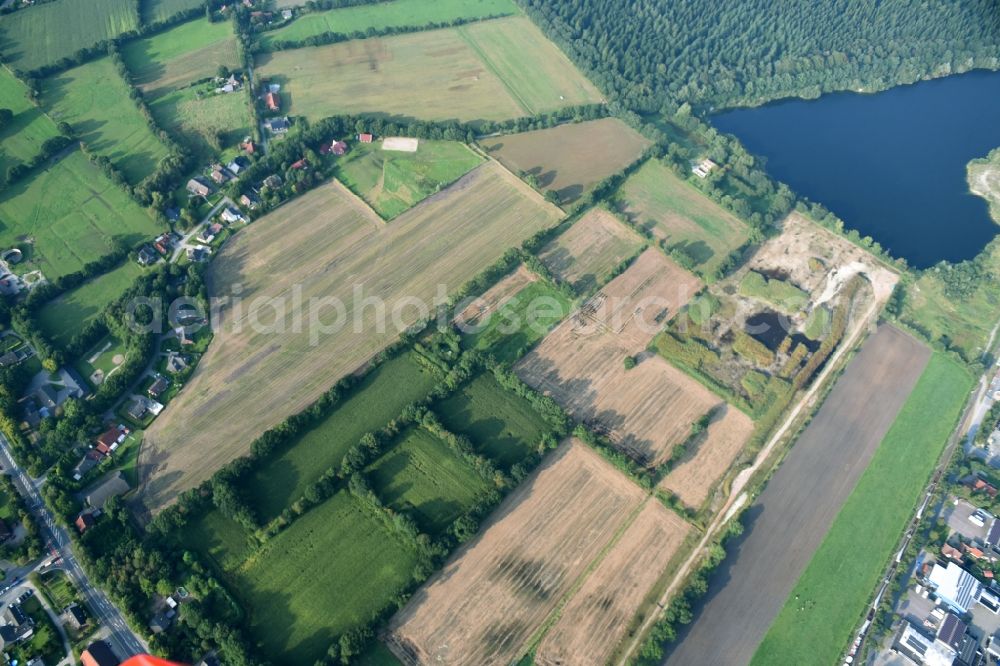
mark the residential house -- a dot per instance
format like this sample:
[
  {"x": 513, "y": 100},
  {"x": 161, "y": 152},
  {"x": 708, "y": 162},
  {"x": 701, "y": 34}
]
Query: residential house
[
  {"x": 109, "y": 440},
  {"x": 198, "y": 187},
  {"x": 172, "y": 214},
  {"x": 17, "y": 626},
  {"x": 237, "y": 165},
  {"x": 220, "y": 175},
  {"x": 272, "y": 182},
  {"x": 277, "y": 125},
  {"x": 91, "y": 459},
  {"x": 339, "y": 148},
  {"x": 47, "y": 397},
  {"x": 248, "y": 146},
  {"x": 230, "y": 214},
  {"x": 147, "y": 256},
  {"x": 209, "y": 233},
  {"x": 955, "y": 587},
  {"x": 137, "y": 410},
  {"x": 272, "y": 100},
  {"x": 75, "y": 616},
  {"x": 158, "y": 387},
  {"x": 163, "y": 243},
  {"x": 197, "y": 254},
  {"x": 300, "y": 164},
  {"x": 99, "y": 653},
  {"x": 992, "y": 539},
  {"x": 160, "y": 623},
  {"x": 920, "y": 648},
  {"x": 112, "y": 486},
  {"x": 365, "y": 138},
  {"x": 176, "y": 363},
  {"x": 250, "y": 200},
  {"x": 286, "y": 14},
  {"x": 35, "y": 661},
  {"x": 85, "y": 521}
]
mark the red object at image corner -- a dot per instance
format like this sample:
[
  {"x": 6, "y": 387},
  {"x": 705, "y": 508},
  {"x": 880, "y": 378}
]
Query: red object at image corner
[{"x": 146, "y": 660}]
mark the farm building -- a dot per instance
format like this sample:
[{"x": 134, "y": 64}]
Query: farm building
[
  {"x": 955, "y": 587},
  {"x": 703, "y": 168}
]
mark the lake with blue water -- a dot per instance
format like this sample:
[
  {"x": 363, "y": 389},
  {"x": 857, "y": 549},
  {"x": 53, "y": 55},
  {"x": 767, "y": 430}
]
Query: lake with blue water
[{"x": 891, "y": 164}]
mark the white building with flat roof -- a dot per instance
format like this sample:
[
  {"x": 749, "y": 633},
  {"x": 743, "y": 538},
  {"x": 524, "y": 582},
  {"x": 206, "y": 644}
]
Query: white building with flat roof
[{"x": 955, "y": 587}]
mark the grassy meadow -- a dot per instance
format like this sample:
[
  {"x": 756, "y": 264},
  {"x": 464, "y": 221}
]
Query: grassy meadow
[
  {"x": 520, "y": 322},
  {"x": 468, "y": 73},
  {"x": 675, "y": 212},
  {"x": 46, "y": 33},
  {"x": 382, "y": 15},
  {"x": 831, "y": 596},
  {"x": 195, "y": 115},
  {"x": 420, "y": 476},
  {"x": 378, "y": 399},
  {"x": 181, "y": 55},
  {"x": 154, "y": 11},
  {"x": 23, "y": 137},
  {"x": 74, "y": 228},
  {"x": 501, "y": 425},
  {"x": 63, "y": 318},
  {"x": 333, "y": 569},
  {"x": 392, "y": 181},
  {"x": 94, "y": 100}
]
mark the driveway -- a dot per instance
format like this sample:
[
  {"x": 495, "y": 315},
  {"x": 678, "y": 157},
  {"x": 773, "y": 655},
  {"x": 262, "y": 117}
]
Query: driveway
[{"x": 957, "y": 515}]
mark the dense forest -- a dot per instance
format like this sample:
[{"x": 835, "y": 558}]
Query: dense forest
[{"x": 654, "y": 53}]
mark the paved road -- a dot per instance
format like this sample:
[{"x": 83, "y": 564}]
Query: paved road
[
  {"x": 122, "y": 640},
  {"x": 786, "y": 524}
]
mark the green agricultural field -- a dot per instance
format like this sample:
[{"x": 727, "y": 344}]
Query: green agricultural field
[
  {"x": 830, "y": 597},
  {"x": 22, "y": 139},
  {"x": 51, "y": 31},
  {"x": 181, "y": 55},
  {"x": 62, "y": 319},
  {"x": 334, "y": 569},
  {"x": 492, "y": 70},
  {"x": 502, "y": 425},
  {"x": 392, "y": 181},
  {"x": 677, "y": 213},
  {"x": 195, "y": 116},
  {"x": 378, "y": 399},
  {"x": 420, "y": 476},
  {"x": 60, "y": 234},
  {"x": 397, "y": 14},
  {"x": 220, "y": 538},
  {"x": 94, "y": 100},
  {"x": 520, "y": 322},
  {"x": 154, "y": 11}
]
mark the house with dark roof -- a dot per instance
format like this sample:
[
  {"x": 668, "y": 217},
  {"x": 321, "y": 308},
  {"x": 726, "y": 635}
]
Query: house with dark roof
[
  {"x": 112, "y": 486},
  {"x": 75, "y": 616},
  {"x": 99, "y": 653},
  {"x": 91, "y": 459},
  {"x": 158, "y": 387},
  {"x": 147, "y": 256},
  {"x": 272, "y": 182},
  {"x": 137, "y": 410},
  {"x": 277, "y": 125}
]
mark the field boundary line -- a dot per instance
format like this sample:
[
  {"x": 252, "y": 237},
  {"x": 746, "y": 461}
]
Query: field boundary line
[
  {"x": 467, "y": 38},
  {"x": 737, "y": 494},
  {"x": 360, "y": 204},
  {"x": 536, "y": 638}
]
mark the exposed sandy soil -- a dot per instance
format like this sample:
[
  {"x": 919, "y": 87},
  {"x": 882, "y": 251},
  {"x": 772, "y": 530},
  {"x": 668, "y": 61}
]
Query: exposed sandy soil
[
  {"x": 696, "y": 476},
  {"x": 645, "y": 411},
  {"x": 790, "y": 518},
  {"x": 984, "y": 180},
  {"x": 599, "y": 614},
  {"x": 269, "y": 362},
  {"x": 595, "y": 245},
  {"x": 495, "y": 592}
]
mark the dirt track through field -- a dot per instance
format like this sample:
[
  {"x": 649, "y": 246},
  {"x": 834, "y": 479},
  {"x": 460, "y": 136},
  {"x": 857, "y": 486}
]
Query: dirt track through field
[
  {"x": 790, "y": 518},
  {"x": 494, "y": 593},
  {"x": 598, "y": 615},
  {"x": 269, "y": 360}
]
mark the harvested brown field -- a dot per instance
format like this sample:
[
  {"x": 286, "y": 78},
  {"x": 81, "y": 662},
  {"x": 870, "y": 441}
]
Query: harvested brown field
[
  {"x": 645, "y": 411},
  {"x": 585, "y": 255},
  {"x": 569, "y": 159},
  {"x": 268, "y": 360},
  {"x": 694, "y": 478},
  {"x": 494, "y": 297},
  {"x": 637, "y": 303},
  {"x": 599, "y": 613},
  {"x": 789, "y": 520},
  {"x": 495, "y": 592}
]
